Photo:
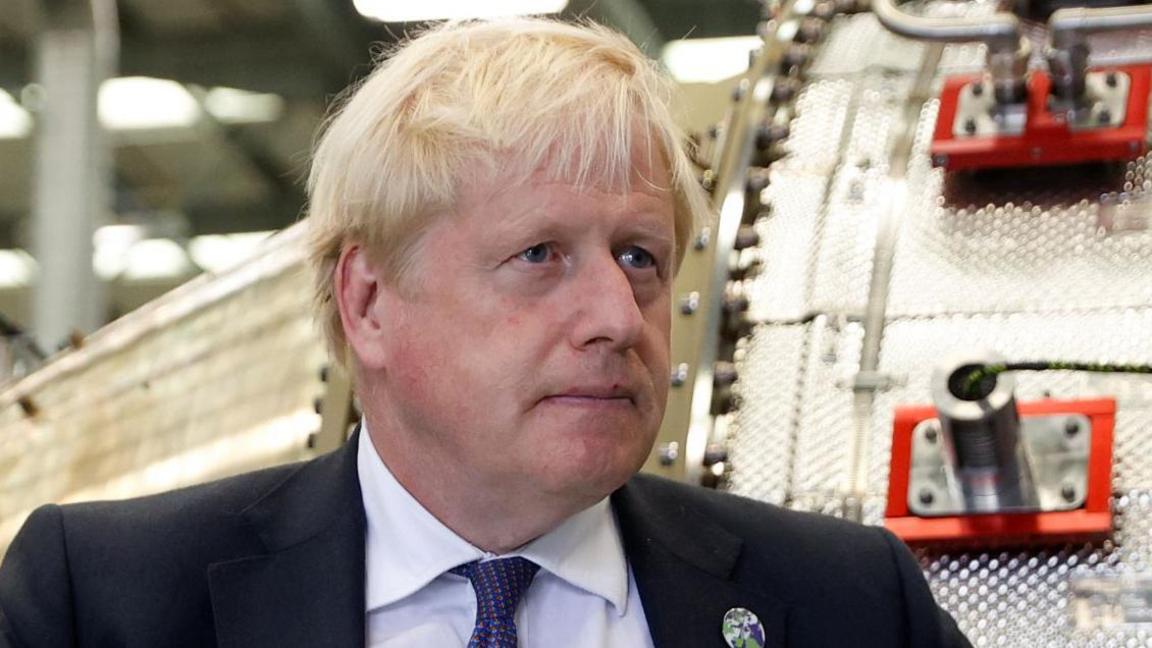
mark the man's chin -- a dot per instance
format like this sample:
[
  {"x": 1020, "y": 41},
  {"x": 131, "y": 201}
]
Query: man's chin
[{"x": 593, "y": 475}]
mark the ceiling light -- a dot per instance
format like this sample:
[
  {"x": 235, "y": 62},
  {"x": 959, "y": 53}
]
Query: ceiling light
[
  {"x": 14, "y": 120},
  {"x": 239, "y": 106},
  {"x": 408, "y": 11},
  {"x": 218, "y": 252},
  {"x": 130, "y": 103},
  {"x": 111, "y": 244},
  {"x": 707, "y": 60},
  {"x": 156, "y": 259},
  {"x": 17, "y": 268}
]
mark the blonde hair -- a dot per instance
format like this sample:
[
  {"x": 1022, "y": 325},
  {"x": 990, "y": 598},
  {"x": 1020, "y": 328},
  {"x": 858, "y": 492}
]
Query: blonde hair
[{"x": 472, "y": 97}]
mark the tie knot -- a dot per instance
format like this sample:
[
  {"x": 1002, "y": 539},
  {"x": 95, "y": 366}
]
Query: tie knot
[{"x": 499, "y": 584}]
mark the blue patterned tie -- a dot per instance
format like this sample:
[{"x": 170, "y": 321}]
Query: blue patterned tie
[{"x": 499, "y": 584}]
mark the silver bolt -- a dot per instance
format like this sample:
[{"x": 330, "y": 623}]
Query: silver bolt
[
  {"x": 690, "y": 303},
  {"x": 680, "y": 375},
  {"x": 669, "y": 453},
  {"x": 1068, "y": 492},
  {"x": 702, "y": 239}
]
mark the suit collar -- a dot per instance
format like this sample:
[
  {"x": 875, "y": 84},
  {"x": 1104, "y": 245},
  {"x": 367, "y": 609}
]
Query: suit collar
[
  {"x": 307, "y": 588},
  {"x": 687, "y": 568}
]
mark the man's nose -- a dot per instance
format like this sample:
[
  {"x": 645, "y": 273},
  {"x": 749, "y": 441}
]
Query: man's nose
[{"x": 605, "y": 308}]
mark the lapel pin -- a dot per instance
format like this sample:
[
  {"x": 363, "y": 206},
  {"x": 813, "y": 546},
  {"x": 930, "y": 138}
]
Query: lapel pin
[{"x": 742, "y": 629}]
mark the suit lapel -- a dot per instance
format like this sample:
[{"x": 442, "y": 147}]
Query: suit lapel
[
  {"x": 685, "y": 567},
  {"x": 308, "y": 588}
]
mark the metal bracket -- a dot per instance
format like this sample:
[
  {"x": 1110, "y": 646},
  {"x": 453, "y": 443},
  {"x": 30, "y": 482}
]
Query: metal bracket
[
  {"x": 1104, "y": 105},
  {"x": 1055, "y": 447},
  {"x": 978, "y": 114}
]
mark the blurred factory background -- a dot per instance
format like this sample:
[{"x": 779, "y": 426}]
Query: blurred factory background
[
  {"x": 209, "y": 108},
  {"x": 924, "y": 302}
]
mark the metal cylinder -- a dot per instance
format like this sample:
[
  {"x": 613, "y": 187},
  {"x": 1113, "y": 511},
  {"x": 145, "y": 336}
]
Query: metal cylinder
[
  {"x": 1068, "y": 69},
  {"x": 981, "y": 436}
]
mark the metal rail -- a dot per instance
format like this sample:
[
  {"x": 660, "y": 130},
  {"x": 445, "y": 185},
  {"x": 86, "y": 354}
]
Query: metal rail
[{"x": 1008, "y": 50}]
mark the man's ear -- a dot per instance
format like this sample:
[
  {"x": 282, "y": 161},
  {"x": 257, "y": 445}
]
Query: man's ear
[{"x": 359, "y": 288}]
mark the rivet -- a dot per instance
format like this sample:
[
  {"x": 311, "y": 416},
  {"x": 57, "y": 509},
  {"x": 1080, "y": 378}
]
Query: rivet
[{"x": 690, "y": 303}]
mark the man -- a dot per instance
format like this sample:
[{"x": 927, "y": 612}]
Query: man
[{"x": 497, "y": 214}]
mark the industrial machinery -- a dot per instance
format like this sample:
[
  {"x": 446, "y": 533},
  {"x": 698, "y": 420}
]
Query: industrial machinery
[
  {"x": 867, "y": 242},
  {"x": 980, "y": 467}
]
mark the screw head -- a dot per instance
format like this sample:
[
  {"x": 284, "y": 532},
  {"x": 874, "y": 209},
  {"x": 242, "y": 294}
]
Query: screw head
[
  {"x": 1110, "y": 80},
  {"x": 690, "y": 303},
  {"x": 970, "y": 126},
  {"x": 930, "y": 435},
  {"x": 926, "y": 497},
  {"x": 1071, "y": 427},
  {"x": 702, "y": 239},
  {"x": 1068, "y": 492},
  {"x": 1104, "y": 116},
  {"x": 669, "y": 452},
  {"x": 977, "y": 88}
]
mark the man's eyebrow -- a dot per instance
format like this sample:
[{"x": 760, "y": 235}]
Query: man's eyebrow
[{"x": 650, "y": 223}]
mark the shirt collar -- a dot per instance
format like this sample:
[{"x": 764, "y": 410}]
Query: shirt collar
[{"x": 407, "y": 547}]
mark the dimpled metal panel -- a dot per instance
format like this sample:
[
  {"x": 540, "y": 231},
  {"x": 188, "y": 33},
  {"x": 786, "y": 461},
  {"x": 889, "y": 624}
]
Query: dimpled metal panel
[
  {"x": 762, "y": 433},
  {"x": 819, "y": 226},
  {"x": 1006, "y": 243},
  {"x": 1020, "y": 599},
  {"x": 778, "y": 292},
  {"x": 1031, "y": 264},
  {"x": 824, "y": 436}
]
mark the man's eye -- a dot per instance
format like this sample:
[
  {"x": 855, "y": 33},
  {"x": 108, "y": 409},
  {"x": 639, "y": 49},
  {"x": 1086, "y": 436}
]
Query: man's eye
[
  {"x": 637, "y": 257},
  {"x": 538, "y": 253}
]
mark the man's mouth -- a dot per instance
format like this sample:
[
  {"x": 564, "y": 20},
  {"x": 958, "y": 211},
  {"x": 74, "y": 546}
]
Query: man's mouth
[{"x": 594, "y": 395}]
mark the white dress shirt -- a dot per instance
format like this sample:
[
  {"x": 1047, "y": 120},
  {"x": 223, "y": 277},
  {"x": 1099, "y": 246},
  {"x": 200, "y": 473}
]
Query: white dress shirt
[{"x": 583, "y": 595}]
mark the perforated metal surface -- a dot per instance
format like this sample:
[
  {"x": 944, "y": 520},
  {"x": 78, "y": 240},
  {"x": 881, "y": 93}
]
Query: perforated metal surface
[
  {"x": 763, "y": 431},
  {"x": 1021, "y": 598},
  {"x": 1005, "y": 242},
  {"x": 1027, "y": 263},
  {"x": 824, "y": 207}
]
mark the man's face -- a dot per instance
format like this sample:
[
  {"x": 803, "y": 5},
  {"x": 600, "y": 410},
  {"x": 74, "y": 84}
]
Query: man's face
[{"x": 532, "y": 346}]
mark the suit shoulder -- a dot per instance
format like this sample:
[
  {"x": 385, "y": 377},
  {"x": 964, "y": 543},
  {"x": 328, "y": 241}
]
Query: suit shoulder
[
  {"x": 809, "y": 556},
  {"x": 756, "y": 520},
  {"x": 227, "y": 496}
]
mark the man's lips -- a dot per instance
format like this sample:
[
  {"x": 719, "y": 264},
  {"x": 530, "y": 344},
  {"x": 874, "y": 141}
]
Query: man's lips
[{"x": 594, "y": 395}]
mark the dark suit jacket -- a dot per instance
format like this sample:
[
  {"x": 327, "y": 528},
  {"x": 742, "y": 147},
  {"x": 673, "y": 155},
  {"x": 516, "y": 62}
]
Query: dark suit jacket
[{"x": 276, "y": 558}]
